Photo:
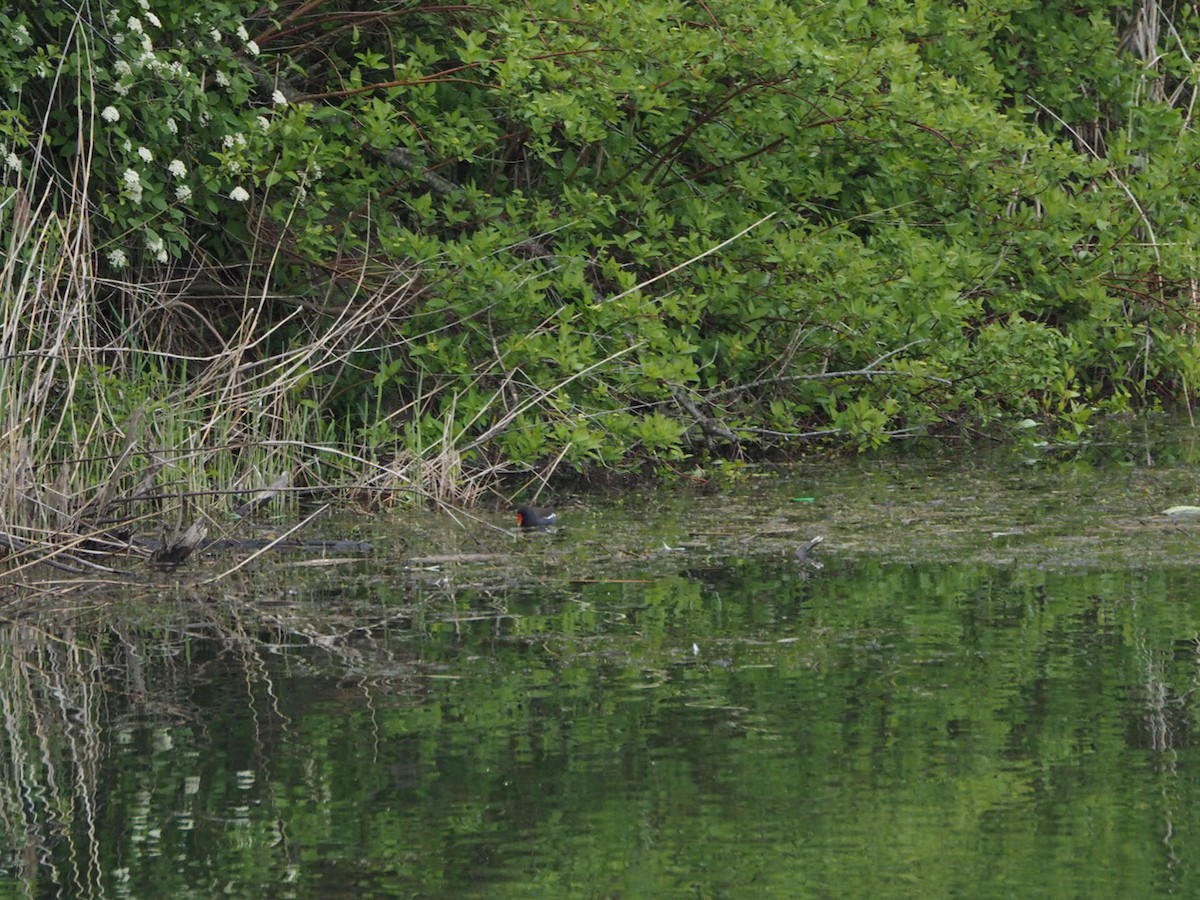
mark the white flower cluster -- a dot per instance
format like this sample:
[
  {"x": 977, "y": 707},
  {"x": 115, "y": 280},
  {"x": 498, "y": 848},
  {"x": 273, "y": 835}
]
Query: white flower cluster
[
  {"x": 154, "y": 243},
  {"x": 133, "y": 185},
  {"x": 242, "y": 35},
  {"x": 10, "y": 158},
  {"x": 183, "y": 193},
  {"x": 122, "y": 70}
]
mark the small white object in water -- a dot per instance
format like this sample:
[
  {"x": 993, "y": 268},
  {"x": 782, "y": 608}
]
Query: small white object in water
[
  {"x": 695, "y": 649},
  {"x": 1182, "y": 511}
]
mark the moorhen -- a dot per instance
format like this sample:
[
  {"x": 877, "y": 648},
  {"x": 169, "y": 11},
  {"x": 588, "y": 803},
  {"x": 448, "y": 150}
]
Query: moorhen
[{"x": 535, "y": 516}]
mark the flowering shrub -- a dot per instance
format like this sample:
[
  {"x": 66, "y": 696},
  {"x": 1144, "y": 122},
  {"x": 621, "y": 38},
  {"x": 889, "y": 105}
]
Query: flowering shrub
[{"x": 156, "y": 95}]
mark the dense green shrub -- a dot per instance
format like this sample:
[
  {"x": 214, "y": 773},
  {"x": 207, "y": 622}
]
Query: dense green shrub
[{"x": 946, "y": 214}]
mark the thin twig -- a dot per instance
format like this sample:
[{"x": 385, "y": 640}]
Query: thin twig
[
  {"x": 868, "y": 371},
  {"x": 264, "y": 549}
]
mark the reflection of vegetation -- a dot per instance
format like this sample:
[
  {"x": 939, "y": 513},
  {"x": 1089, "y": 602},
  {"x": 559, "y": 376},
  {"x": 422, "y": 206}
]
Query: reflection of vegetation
[
  {"x": 878, "y": 728},
  {"x": 634, "y": 702},
  {"x": 52, "y": 696}
]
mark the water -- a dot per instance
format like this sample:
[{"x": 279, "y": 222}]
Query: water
[{"x": 987, "y": 691}]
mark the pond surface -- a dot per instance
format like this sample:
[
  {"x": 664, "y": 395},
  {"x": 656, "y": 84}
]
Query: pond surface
[{"x": 985, "y": 690}]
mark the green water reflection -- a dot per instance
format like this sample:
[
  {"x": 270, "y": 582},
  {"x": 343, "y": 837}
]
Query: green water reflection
[{"x": 751, "y": 730}]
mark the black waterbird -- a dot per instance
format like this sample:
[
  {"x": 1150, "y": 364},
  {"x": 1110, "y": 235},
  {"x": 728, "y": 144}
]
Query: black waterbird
[{"x": 535, "y": 516}]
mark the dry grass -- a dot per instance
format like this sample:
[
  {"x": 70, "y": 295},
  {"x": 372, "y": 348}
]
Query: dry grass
[
  {"x": 113, "y": 421},
  {"x": 127, "y": 408}
]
